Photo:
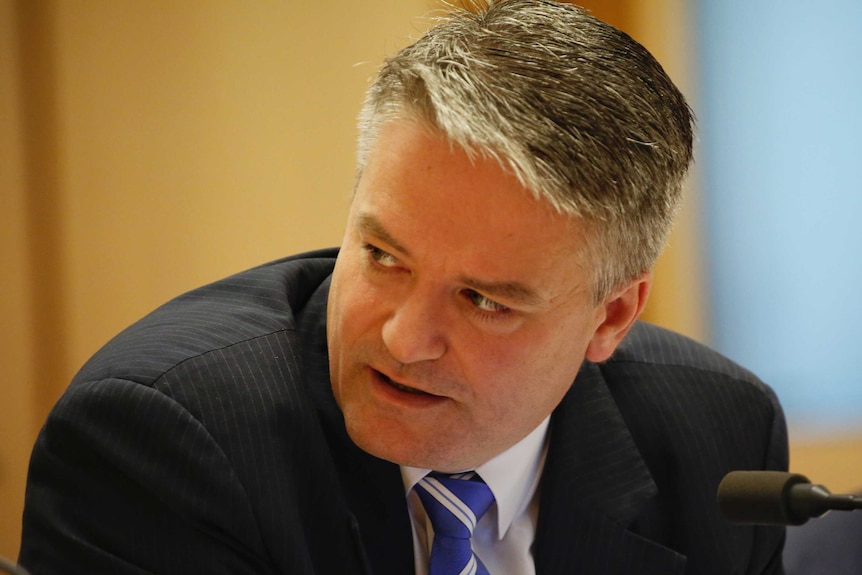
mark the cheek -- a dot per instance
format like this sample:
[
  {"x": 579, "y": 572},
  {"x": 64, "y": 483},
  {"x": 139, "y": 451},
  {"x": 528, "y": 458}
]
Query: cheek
[
  {"x": 345, "y": 308},
  {"x": 357, "y": 312},
  {"x": 536, "y": 368},
  {"x": 545, "y": 348}
]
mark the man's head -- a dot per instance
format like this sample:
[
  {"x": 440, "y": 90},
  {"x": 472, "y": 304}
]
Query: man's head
[
  {"x": 583, "y": 115},
  {"x": 519, "y": 169}
]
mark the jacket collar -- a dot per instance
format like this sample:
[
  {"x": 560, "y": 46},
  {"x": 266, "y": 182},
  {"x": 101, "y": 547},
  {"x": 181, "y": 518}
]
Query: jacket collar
[{"x": 593, "y": 486}]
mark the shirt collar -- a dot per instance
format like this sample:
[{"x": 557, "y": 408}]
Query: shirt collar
[{"x": 512, "y": 475}]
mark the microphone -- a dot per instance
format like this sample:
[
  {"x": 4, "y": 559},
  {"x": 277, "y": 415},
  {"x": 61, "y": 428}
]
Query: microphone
[{"x": 777, "y": 498}]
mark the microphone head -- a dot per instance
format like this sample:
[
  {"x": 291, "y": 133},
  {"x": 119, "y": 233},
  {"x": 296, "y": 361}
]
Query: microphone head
[{"x": 759, "y": 497}]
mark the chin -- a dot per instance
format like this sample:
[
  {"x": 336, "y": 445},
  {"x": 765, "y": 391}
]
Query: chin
[
  {"x": 379, "y": 444},
  {"x": 400, "y": 451},
  {"x": 446, "y": 462}
]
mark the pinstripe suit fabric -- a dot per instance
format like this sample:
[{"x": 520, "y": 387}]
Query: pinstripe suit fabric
[{"x": 205, "y": 439}]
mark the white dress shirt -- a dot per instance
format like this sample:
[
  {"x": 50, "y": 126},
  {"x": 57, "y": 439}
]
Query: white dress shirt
[{"x": 503, "y": 537}]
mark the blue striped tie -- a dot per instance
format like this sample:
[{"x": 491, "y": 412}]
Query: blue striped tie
[{"x": 454, "y": 504}]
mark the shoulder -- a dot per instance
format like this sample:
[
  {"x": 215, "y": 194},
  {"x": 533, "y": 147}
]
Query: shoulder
[
  {"x": 195, "y": 420},
  {"x": 672, "y": 390},
  {"x": 651, "y": 359},
  {"x": 654, "y": 347},
  {"x": 254, "y": 305},
  {"x": 222, "y": 364}
]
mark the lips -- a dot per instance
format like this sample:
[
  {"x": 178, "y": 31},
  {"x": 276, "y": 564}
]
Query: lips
[{"x": 404, "y": 388}]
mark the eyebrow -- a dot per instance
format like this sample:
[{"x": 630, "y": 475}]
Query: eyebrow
[
  {"x": 510, "y": 291},
  {"x": 370, "y": 224},
  {"x": 514, "y": 292}
]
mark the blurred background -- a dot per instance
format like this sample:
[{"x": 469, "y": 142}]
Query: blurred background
[{"x": 147, "y": 148}]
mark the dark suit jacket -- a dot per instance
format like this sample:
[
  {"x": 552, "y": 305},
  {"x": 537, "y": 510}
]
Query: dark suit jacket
[{"x": 205, "y": 439}]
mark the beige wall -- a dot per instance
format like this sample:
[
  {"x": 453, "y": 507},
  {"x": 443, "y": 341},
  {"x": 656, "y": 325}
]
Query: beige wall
[{"x": 16, "y": 335}]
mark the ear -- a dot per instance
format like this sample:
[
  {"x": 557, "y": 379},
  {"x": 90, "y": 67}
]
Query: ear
[{"x": 617, "y": 314}]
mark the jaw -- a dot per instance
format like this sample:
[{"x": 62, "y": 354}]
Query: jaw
[{"x": 417, "y": 429}]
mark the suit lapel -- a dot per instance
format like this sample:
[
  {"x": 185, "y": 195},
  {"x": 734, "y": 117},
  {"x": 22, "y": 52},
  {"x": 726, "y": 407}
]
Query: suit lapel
[
  {"x": 373, "y": 489},
  {"x": 593, "y": 485}
]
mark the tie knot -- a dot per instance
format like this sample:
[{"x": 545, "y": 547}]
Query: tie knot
[{"x": 454, "y": 503}]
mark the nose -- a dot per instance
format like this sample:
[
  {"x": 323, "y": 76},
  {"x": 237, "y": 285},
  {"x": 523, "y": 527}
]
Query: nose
[{"x": 414, "y": 331}]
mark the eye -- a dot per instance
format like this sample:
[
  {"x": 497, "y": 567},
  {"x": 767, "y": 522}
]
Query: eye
[
  {"x": 382, "y": 258},
  {"x": 484, "y": 303}
]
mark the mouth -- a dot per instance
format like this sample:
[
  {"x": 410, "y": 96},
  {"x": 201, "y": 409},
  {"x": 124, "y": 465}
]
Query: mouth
[{"x": 401, "y": 387}]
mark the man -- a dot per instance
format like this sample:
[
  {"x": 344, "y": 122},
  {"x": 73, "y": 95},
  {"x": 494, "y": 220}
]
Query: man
[{"x": 475, "y": 338}]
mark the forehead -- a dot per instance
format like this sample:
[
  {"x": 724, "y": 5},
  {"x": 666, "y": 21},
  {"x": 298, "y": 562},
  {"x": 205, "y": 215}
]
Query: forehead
[{"x": 431, "y": 200}]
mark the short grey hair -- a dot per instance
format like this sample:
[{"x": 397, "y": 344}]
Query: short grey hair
[{"x": 582, "y": 114}]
